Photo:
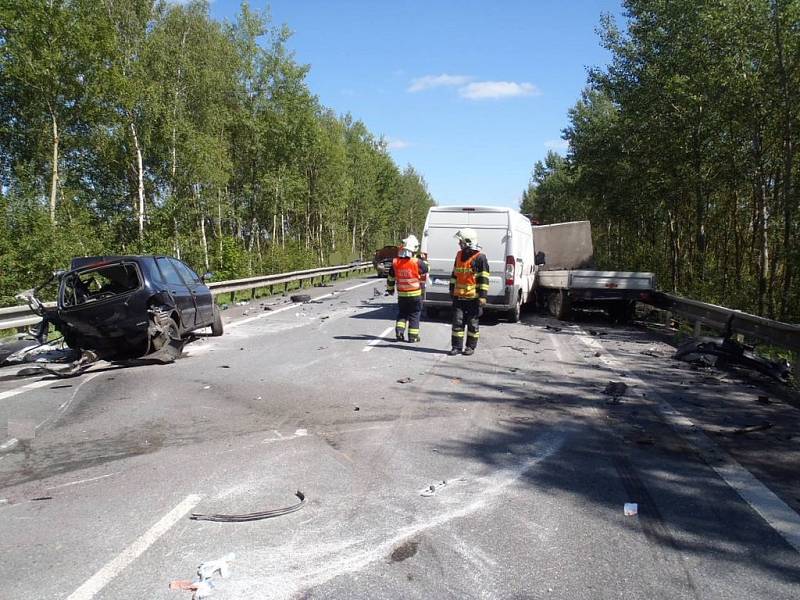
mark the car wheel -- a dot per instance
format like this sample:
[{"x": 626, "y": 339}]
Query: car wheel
[
  {"x": 216, "y": 326},
  {"x": 515, "y": 313},
  {"x": 167, "y": 343}
]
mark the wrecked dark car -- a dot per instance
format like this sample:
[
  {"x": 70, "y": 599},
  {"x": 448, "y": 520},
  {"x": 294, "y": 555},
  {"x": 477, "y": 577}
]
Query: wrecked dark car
[
  {"x": 128, "y": 306},
  {"x": 382, "y": 260}
]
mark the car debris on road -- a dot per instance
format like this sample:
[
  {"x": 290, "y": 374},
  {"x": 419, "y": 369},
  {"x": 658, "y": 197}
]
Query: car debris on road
[
  {"x": 204, "y": 586},
  {"x": 255, "y": 516},
  {"x": 708, "y": 351}
]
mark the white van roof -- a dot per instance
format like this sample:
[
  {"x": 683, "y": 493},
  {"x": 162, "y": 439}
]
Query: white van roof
[{"x": 470, "y": 208}]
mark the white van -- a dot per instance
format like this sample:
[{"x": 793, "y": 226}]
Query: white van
[{"x": 504, "y": 236}]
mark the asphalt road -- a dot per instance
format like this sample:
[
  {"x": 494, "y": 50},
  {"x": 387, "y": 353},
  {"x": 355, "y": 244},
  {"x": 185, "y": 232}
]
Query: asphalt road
[{"x": 500, "y": 475}]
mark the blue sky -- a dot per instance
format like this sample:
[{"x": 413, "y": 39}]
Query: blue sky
[{"x": 471, "y": 93}]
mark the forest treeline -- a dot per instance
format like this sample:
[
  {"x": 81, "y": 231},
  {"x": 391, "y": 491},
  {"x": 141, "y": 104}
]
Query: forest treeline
[
  {"x": 683, "y": 152},
  {"x": 142, "y": 126}
]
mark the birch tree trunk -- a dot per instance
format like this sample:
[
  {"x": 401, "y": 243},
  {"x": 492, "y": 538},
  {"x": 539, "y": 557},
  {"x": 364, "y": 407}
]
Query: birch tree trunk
[
  {"x": 54, "y": 178},
  {"x": 140, "y": 169}
]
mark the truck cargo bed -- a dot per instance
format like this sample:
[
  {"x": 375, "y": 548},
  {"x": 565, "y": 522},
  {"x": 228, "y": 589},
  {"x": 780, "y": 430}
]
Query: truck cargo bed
[{"x": 596, "y": 280}]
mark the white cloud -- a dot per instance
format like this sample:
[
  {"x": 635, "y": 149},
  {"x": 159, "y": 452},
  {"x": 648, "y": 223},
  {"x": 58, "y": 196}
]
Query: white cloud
[
  {"x": 493, "y": 90},
  {"x": 392, "y": 144},
  {"x": 556, "y": 144},
  {"x": 432, "y": 81}
]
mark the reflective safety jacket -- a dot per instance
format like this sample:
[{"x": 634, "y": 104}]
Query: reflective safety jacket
[
  {"x": 409, "y": 274},
  {"x": 470, "y": 278}
]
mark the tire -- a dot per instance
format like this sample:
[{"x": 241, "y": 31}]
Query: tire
[
  {"x": 168, "y": 344},
  {"x": 558, "y": 305},
  {"x": 515, "y": 313},
  {"x": 300, "y": 298},
  {"x": 216, "y": 325}
]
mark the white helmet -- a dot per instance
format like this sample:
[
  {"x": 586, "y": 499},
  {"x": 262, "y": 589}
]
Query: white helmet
[
  {"x": 469, "y": 237},
  {"x": 409, "y": 246}
]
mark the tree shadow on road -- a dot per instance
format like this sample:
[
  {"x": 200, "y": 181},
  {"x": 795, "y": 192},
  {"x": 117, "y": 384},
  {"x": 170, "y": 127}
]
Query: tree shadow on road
[{"x": 629, "y": 454}]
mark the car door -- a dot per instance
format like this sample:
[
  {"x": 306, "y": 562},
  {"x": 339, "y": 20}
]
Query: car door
[
  {"x": 184, "y": 299},
  {"x": 204, "y": 301}
]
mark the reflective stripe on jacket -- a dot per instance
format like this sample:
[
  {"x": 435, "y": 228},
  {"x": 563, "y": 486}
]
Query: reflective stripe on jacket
[
  {"x": 470, "y": 281},
  {"x": 408, "y": 275}
]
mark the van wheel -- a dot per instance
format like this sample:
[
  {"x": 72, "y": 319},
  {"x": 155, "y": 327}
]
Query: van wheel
[
  {"x": 515, "y": 313},
  {"x": 558, "y": 305},
  {"x": 216, "y": 325}
]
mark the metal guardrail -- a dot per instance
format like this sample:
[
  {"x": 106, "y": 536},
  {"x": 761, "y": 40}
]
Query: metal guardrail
[
  {"x": 15, "y": 317},
  {"x": 252, "y": 283},
  {"x": 774, "y": 333}
]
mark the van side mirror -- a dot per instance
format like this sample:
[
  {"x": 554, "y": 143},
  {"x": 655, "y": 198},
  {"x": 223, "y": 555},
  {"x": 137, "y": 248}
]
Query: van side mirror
[{"x": 540, "y": 258}]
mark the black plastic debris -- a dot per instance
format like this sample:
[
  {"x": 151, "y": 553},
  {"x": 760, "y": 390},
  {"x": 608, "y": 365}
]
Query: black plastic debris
[
  {"x": 708, "y": 351},
  {"x": 615, "y": 389},
  {"x": 300, "y": 298},
  {"x": 256, "y": 516},
  {"x": 405, "y": 380}
]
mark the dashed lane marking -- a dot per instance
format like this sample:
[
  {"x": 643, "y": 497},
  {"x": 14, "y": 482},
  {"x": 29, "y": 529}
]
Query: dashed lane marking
[
  {"x": 99, "y": 580},
  {"x": 26, "y": 387},
  {"x": 379, "y": 339}
]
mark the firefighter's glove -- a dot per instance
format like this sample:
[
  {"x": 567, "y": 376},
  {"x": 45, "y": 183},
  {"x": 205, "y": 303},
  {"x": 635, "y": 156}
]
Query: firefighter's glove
[
  {"x": 482, "y": 301},
  {"x": 389, "y": 293}
]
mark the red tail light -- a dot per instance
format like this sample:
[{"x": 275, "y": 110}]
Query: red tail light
[{"x": 510, "y": 269}]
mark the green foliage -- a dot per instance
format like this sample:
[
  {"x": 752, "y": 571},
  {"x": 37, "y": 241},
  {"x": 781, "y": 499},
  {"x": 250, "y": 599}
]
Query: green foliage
[
  {"x": 683, "y": 152},
  {"x": 139, "y": 126}
]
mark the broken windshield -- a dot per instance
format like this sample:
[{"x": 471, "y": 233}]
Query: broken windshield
[{"x": 83, "y": 287}]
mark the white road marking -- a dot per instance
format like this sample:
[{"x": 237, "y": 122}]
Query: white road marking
[
  {"x": 379, "y": 339},
  {"x": 113, "y": 568},
  {"x": 63, "y": 485},
  {"x": 10, "y": 443},
  {"x": 25, "y": 388},
  {"x": 353, "y": 287},
  {"x": 759, "y": 497}
]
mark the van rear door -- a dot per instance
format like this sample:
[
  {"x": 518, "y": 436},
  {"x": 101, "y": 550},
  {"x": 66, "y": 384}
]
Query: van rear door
[{"x": 441, "y": 246}]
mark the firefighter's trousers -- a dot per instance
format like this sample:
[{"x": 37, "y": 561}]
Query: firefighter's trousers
[
  {"x": 465, "y": 312},
  {"x": 408, "y": 314}
]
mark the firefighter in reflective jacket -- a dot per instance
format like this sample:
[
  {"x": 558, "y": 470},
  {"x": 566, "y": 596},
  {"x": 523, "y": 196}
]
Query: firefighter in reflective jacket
[
  {"x": 409, "y": 274},
  {"x": 469, "y": 286}
]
